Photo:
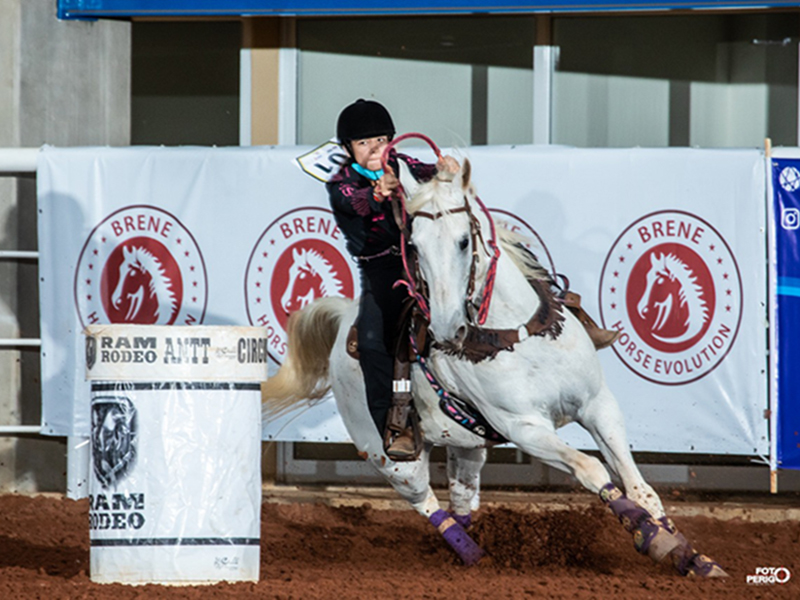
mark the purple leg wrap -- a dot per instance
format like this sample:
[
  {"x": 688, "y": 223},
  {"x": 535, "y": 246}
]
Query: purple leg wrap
[
  {"x": 454, "y": 534},
  {"x": 464, "y": 520},
  {"x": 650, "y": 537}
]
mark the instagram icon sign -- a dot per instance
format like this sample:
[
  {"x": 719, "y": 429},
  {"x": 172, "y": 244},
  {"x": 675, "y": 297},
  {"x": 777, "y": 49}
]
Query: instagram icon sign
[{"x": 790, "y": 218}]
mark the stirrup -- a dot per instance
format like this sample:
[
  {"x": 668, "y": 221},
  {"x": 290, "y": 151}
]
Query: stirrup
[{"x": 401, "y": 446}]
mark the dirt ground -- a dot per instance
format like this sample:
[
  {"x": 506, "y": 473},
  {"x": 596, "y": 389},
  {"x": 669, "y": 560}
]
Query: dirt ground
[{"x": 312, "y": 550}]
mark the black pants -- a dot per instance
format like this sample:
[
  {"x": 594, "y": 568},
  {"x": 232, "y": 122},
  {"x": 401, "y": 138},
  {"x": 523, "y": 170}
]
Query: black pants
[{"x": 378, "y": 331}]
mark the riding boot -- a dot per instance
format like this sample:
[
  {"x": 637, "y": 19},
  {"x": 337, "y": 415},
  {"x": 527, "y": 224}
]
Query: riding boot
[
  {"x": 402, "y": 439},
  {"x": 602, "y": 338}
]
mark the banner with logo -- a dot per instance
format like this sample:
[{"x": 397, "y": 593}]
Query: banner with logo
[
  {"x": 786, "y": 223},
  {"x": 667, "y": 246}
]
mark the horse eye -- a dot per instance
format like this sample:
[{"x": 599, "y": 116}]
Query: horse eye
[{"x": 462, "y": 245}]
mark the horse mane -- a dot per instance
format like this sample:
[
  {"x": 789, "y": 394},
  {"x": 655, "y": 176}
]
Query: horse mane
[
  {"x": 160, "y": 284},
  {"x": 515, "y": 245},
  {"x": 689, "y": 281}
]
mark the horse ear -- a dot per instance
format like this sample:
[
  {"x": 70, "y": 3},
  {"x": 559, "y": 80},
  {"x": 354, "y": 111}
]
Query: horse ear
[
  {"x": 295, "y": 254},
  {"x": 466, "y": 172}
]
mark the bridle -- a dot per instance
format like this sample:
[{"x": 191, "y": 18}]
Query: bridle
[
  {"x": 479, "y": 343},
  {"x": 477, "y": 310}
]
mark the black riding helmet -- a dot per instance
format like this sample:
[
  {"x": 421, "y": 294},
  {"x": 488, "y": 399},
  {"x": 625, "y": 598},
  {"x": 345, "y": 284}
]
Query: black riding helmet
[{"x": 363, "y": 119}]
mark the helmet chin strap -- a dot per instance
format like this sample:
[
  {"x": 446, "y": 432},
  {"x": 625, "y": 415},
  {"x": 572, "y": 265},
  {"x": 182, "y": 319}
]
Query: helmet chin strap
[{"x": 369, "y": 174}]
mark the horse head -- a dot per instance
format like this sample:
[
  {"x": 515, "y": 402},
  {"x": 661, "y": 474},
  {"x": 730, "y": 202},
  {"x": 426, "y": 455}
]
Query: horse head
[
  {"x": 143, "y": 290},
  {"x": 671, "y": 291},
  {"x": 310, "y": 277},
  {"x": 450, "y": 233}
]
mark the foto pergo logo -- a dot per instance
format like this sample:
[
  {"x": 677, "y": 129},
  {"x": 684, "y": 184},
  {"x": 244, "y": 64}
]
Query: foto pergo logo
[
  {"x": 769, "y": 576},
  {"x": 671, "y": 286}
]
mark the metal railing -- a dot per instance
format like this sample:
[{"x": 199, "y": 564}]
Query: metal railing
[{"x": 15, "y": 162}]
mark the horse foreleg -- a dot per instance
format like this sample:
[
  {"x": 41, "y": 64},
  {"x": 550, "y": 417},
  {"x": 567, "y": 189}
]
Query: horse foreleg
[
  {"x": 603, "y": 419},
  {"x": 463, "y": 473},
  {"x": 641, "y": 512},
  {"x": 650, "y": 537}
]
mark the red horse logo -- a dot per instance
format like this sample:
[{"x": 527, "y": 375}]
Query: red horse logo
[
  {"x": 143, "y": 291},
  {"x": 311, "y": 276},
  {"x": 673, "y": 307}
]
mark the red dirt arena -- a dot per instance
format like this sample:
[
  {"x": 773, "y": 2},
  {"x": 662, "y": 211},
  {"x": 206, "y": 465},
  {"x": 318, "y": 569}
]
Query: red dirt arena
[{"x": 361, "y": 544}]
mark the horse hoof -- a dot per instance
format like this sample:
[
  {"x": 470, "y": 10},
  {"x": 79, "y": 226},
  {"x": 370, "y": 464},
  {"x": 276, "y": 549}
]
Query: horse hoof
[{"x": 703, "y": 566}]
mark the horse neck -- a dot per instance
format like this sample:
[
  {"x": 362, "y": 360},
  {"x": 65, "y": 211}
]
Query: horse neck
[{"x": 513, "y": 299}]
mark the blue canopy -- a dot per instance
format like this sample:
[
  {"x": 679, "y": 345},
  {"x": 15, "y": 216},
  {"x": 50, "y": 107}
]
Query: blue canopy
[{"x": 91, "y": 9}]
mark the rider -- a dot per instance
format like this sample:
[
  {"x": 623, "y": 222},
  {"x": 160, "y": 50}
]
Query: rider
[{"x": 358, "y": 194}]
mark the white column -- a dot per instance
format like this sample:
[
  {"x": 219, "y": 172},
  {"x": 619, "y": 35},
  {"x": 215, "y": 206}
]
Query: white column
[
  {"x": 545, "y": 59},
  {"x": 245, "y": 97},
  {"x": 287, "y": 96}
]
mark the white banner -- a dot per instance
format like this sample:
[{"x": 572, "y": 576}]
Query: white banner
[{"x": 638, "y": 232}]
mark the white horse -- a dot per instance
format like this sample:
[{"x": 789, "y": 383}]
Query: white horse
[{"x": 550, "y": 378}]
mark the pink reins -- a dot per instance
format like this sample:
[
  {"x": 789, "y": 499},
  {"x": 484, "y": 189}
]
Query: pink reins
[{"x": 488, "y": 289}]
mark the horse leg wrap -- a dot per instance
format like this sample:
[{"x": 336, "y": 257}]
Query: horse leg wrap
[
  {"x": 686, "y": 560},
  {"x": 454, "y": 534},
  {"x": 464, "y": 520},
  {"x": 650, "y": 536}
]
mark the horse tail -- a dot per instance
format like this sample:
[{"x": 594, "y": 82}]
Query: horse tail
[{"x": 303, "y": 377}]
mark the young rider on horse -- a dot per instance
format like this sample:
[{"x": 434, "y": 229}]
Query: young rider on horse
[{"x": 358, "y": 194}]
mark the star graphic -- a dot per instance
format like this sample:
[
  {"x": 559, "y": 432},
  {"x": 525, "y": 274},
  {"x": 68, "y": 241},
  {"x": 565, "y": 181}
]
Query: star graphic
[
  {"x": 616, "y": 273},
  {"x": 712, "y": 247},
  {"x": 613, "y": 290},
  {"x": 622, "y": 259},
  {"x": 260, "y": 269},
  {"x": 264, "y": 254},
  {"x": 194, "y": 284},
  {"x": 630, "y": 246},
  {"x": 728, "y": 292},
  {"x": 186, "y": 253},
  {"x": 258, "y": 300},
  {"x": 178, "y": 240},
  {"x": 95, "y": 252},
  {"x": 89, "y": 297},
  {"x": 91, "y": 266},
  {"x": 724, "y": 275},
  {"x": 272, "y": 242},
  {"x": 613, "y": 306},
  {"x": 719, "y": 261},
  {"x": 728, "y": 308},
  {"x": 88, "y": 282},
  {"x": 258, "y": 284}
]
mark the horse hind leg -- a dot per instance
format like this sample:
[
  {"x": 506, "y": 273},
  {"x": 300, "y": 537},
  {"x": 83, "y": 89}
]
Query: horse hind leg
[
  {"x": 463, "y": 474},
  {"x": 412, "y": 481}
]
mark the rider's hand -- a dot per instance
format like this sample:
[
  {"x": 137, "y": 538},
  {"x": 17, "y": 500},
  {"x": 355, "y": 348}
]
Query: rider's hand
[
  {"x": 446, "y": 168},
  {"x": 387, "y": 184}
]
